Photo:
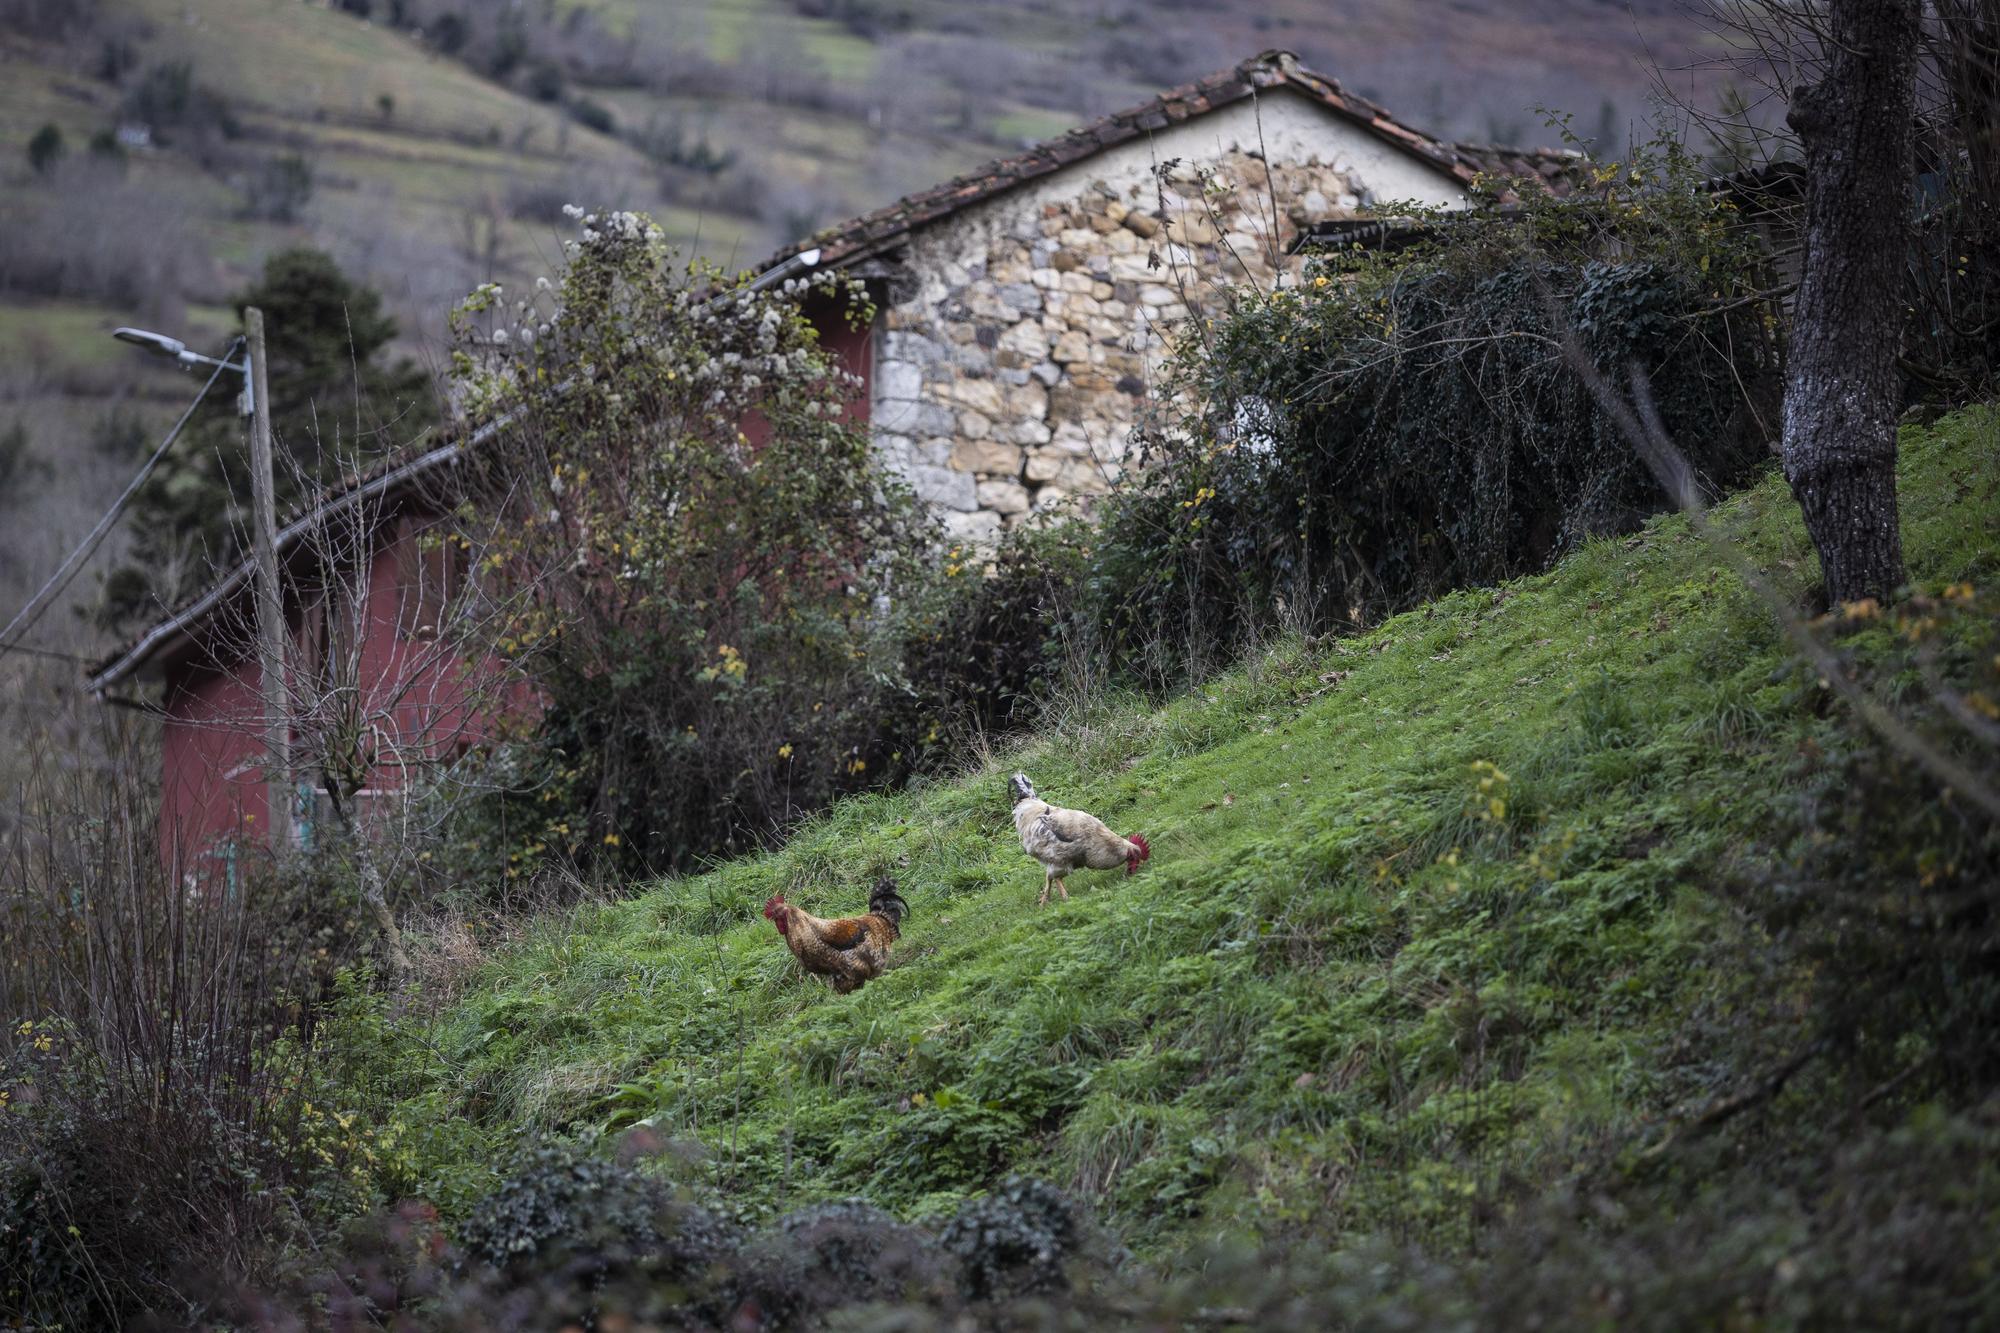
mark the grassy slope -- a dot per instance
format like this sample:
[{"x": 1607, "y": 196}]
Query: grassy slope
[{"x": 1342, "y": 989}]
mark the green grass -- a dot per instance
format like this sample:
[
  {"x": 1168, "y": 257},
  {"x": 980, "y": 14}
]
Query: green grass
[
  {"x": 1364, "y": 976},
  {"x": 728, "y": 30},
  {"x": 305, "y": 60},
  {"x": 69, "y": 333}
]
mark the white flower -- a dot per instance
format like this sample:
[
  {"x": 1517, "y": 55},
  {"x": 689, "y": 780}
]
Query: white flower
[{"x": 572, "y": 212}]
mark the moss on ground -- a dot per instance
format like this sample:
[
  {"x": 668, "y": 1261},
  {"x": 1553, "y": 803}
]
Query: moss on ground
[{"x": 1425, "y": 912}]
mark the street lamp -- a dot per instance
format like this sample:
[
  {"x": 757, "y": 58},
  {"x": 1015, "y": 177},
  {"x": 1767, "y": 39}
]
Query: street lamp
[
  {"x": 254, "y": 402},
  {"x": 161, "y": 345}
]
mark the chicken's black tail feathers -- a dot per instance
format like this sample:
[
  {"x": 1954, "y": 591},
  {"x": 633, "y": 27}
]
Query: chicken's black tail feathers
[{"x": 886, "y": 902}]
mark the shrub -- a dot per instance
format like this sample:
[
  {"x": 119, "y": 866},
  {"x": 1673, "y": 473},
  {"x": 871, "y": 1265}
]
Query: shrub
[
  {"x": 278, "y": 189},
  {"x": 570, "y": 1239},
  {"x": 545, "y": 81},
  {"x": 667, "y": 141},
  {"x": 17, "y": 461},
  {"x": 98, "y": 236},
  {"x": 149, "y": 1127},
  {"x": 701, "y": 610},
  {"x": 117, "y": 56},
  {"x": 1014, "y": 1241},
  {"x": 448, "y": 32},
  {"x": 104, "y": 147},
  {"x": 169, "y": 100},
  {"x": 989, "y": 639},
  {"x": 593, "y": 115},
  {"x": 45, "y": 149},
  {"x": 558, "y": 1204},
  {"x": 1884, "y": 886},
  {"x": 49, "y": 20},
  {"x": 1406, "y": 423},
  {"x": 830, "y": 1256}
]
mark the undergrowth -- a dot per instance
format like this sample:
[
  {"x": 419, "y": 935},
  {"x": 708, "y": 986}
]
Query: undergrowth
[{"x": 1431, "y": 915}]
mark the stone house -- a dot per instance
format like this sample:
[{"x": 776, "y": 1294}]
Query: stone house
[{"x": 1026, "y": 307}]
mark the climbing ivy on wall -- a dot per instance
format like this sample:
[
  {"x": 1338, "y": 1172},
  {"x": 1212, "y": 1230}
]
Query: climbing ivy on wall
[{"x": 1395, "y": 424}]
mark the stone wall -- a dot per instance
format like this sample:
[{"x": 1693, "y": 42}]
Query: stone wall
[{"x": 1019, "y": 346}]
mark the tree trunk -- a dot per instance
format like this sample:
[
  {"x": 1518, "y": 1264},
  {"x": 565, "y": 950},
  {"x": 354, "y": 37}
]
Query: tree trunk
[
  {"x": 1843, "y": 391},
  {"x": 395, "y": 960}
]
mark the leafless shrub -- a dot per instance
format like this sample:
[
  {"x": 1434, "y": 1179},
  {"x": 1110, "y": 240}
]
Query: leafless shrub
[
  {"x": 96, "y": 235},
  {"x": 966, "y": 76},
  {"x": 49, "y": 20},
  {"x": 777, "y": 68},
  {"x": 445, "y": 952},
  {"x": 277, "y": 189},
  {"x": 142, "y": 1136},
  {"x": 1768, "y": 52},
  {"x": 870, "y": 20},
  {"x": 541, "y": 199}
]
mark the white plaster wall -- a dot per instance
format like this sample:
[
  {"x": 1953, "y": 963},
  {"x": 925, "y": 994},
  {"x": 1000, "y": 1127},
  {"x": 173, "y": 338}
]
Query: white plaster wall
[{"x": 1294, "y": 129}]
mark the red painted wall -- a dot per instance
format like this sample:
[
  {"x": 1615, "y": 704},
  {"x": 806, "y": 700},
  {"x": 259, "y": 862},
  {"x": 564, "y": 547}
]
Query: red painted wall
[
  {"x": 853, "y": 350},
  {"x": 422, "y": 701}
]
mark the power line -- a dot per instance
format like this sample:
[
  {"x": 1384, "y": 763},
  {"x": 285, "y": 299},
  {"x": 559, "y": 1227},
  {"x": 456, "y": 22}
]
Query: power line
[
  {"x": 56, "y": 653},
  {"x": 25, "y": 619}
]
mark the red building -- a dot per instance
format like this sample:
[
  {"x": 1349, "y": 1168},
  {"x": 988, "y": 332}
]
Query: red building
[{"x": 368, "y": 569}]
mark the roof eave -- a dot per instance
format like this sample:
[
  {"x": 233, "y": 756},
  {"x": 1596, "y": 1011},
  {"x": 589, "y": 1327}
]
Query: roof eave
[
  {"x": 1270, "y": 72},
  {"x": 176, "y": 630}
]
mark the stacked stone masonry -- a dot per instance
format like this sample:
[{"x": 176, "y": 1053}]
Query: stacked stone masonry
[{"x": 1019, "y": 349}]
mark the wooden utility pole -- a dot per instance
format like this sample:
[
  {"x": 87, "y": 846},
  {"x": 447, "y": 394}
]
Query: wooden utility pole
[{"x": 270, "y": 600}]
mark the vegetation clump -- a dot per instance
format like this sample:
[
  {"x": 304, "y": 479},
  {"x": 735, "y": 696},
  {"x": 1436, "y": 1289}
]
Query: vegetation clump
[
  {"x": 1405, "y": 420},
  {"x": 699, "y": 607}
]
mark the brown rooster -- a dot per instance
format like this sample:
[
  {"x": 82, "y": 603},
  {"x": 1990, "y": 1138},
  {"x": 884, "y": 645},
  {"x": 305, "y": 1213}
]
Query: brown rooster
[
  {"x": 1065, "y": 840},
  {"x": 849, "y": 951}
]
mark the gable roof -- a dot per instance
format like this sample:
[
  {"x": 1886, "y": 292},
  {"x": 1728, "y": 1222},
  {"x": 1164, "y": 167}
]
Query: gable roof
[
  {"x": 401, "y": 473},
  {"x": 872, "y": 233}
]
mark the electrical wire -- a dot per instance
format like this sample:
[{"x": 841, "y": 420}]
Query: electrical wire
[
  {"x": 54, "y": 654},
  {"x": 24, "y": 620}
]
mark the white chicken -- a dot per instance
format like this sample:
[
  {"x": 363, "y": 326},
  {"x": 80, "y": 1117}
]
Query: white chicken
[{"x": 1065, "y": 840}]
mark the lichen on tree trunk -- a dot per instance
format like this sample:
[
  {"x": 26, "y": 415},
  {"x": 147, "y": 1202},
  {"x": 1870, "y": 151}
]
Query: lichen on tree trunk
[{"x": 1843, "y": 392}]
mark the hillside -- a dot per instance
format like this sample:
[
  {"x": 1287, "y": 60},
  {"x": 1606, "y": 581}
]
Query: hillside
[{"x": 1436, "y": 916}]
